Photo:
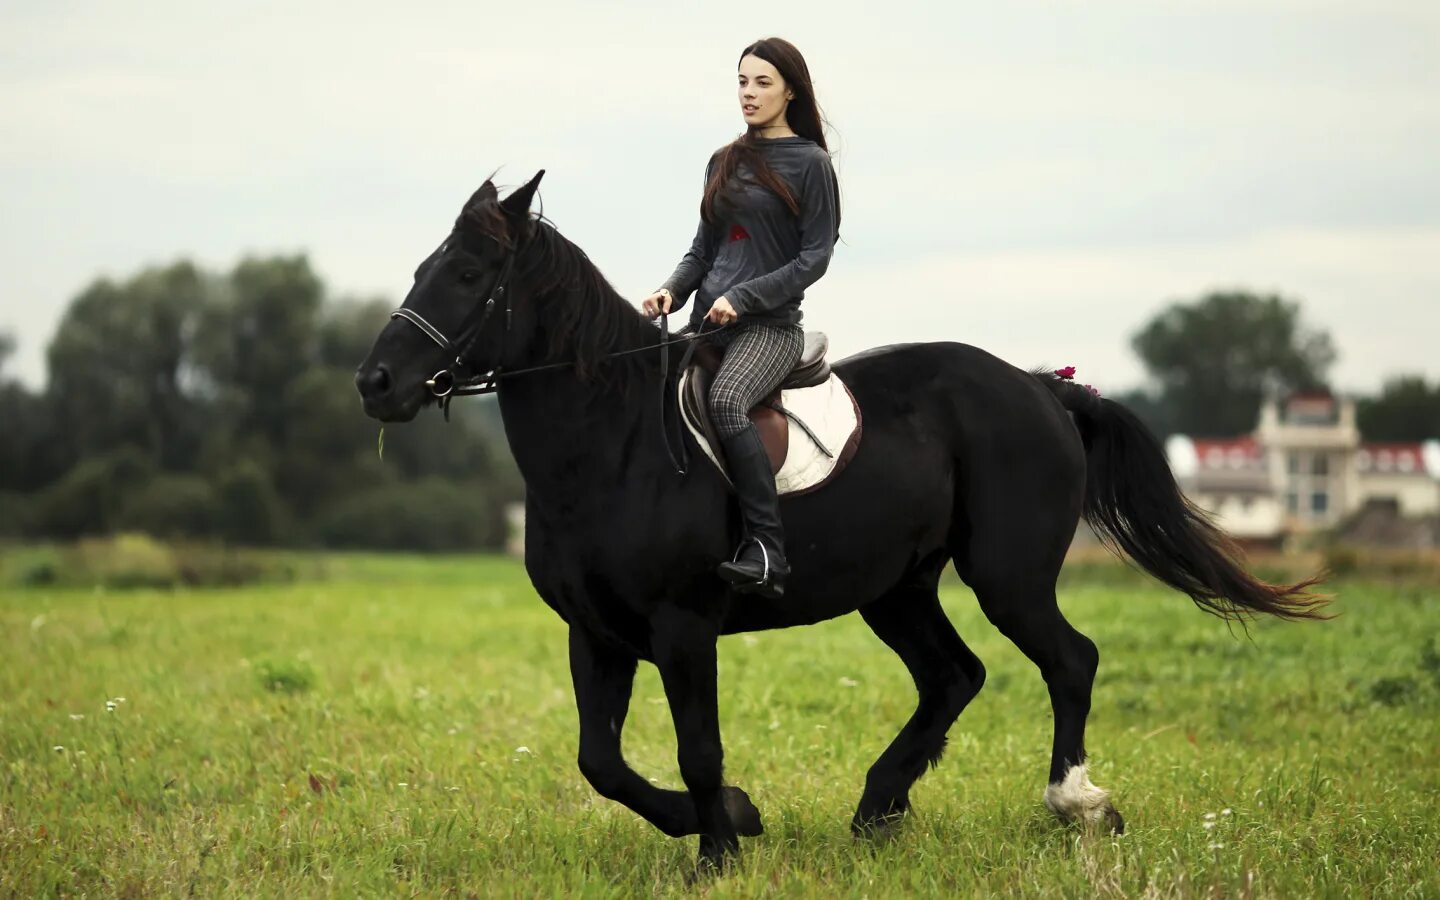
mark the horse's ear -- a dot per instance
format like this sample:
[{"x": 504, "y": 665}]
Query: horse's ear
[
  {"x": 485, "y": 192},
  {"x": 517, "y": 205}
]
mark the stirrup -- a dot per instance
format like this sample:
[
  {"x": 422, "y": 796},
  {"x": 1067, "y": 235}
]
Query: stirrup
[{"x": 764, "y": 556}]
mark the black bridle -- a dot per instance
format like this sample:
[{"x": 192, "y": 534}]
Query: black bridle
[{"x": 451, "y": 381}]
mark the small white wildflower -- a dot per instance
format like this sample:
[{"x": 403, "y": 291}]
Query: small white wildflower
[
  {"x": 1209, "y": 816},
  {"x": 119, "y": 699},
  {"x": 75, "y": 717},
  {"x": 109, "y": 705},
  {"x": 402, "y": 784},
  {"x": 522, "y": 749},
  {"x": 452, "y": 789},
  {"x": 59, "y": 749},
  {"x": 848, "y": 682},
  {"x": 1225, "y": 811},
  {"x": 1209, "y": 825},
  {"x": 1216, "y": 846}
]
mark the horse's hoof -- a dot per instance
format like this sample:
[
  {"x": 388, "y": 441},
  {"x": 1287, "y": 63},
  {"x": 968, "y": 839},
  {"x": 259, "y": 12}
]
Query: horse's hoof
[
  {"x": 743, "y": 814},
  {"x": 712, "y": 862},
  {"x": 878, "y": 829}
]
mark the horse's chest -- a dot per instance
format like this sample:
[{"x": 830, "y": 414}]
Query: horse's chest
[{"x": 589, "y": 589}]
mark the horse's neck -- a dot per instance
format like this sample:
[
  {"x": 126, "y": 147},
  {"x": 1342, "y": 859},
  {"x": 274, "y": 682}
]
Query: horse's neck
[
  {"x": 573, "y": 436},
  {"x": 575, "y": 439}
]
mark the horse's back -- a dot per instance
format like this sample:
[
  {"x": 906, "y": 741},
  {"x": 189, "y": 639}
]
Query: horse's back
[{"x": 973, "y": 395}]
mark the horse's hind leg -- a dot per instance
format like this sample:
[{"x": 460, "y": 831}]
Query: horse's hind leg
[
  {"x": 1026, "y": 612},
  {"x": 603, "y": 680},
  {"x": 947, "y": 676}
]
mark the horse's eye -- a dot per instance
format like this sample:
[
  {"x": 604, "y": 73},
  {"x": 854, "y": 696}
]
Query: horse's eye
[{"x": 469, "y": 277}]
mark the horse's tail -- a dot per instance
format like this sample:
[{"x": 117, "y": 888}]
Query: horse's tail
[{"x": 1135, "y": 506}]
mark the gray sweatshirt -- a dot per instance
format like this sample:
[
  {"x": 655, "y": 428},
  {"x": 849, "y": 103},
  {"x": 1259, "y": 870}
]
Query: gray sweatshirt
[{"x": 759, "y": 256}]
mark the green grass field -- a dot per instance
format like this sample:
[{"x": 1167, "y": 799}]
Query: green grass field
[{"x": 407, "y": 727}]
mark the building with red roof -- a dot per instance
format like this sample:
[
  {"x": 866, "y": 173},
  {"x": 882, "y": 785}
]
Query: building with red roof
[{"x": 1304, "y": 468}]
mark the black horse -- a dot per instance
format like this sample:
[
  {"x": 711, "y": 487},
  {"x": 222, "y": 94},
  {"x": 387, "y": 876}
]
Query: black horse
[{"x": 965, "y": 459}]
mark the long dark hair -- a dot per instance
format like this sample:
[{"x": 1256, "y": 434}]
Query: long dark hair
[{"x": 803, "y": 115}]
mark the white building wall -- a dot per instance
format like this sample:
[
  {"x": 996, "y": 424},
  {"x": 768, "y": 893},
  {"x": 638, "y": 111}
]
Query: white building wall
[
  {"x": 1257, "y": 516},
  {"x": 1417, "y": 495}
]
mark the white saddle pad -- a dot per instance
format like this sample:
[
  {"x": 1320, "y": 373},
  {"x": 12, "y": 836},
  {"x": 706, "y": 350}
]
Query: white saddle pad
[{"x": 827, "y": 409}]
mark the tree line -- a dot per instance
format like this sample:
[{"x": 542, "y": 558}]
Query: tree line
[
  {"x": 195, "y": 404},
  {"x": 186, "y": 403},
  {"x": 1212, "y": 360}
]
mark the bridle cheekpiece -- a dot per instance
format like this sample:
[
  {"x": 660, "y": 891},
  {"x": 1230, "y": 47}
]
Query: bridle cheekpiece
[{"x": 454, "y": 380}]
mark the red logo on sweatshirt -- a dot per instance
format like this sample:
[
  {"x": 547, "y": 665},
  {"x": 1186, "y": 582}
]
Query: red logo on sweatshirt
[{"x": 738, "y": 233}]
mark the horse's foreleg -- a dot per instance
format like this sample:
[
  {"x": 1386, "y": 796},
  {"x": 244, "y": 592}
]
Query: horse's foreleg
[
  {"x": 684, "y": 646},
  {"x": 603, "y": 679}
]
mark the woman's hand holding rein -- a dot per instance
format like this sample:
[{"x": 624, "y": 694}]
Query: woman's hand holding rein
[
  {"x": 721, "y": 312},
  {"x": 656, "y": 303}
]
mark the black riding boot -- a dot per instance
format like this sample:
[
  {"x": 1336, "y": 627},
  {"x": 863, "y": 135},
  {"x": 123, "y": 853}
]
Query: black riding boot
[{"x": 759, "y": 566}]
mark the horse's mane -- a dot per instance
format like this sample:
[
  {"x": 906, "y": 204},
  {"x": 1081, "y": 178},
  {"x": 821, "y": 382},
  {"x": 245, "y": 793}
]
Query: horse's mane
[{"x": 580, "y": 313}]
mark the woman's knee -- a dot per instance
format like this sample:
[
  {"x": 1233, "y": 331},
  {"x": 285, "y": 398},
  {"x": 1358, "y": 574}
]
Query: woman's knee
[{"x": 727, "y": 406}]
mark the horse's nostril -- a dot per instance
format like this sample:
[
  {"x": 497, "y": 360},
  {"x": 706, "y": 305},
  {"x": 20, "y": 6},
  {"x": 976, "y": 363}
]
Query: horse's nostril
[{"x": 374, "y": 383}]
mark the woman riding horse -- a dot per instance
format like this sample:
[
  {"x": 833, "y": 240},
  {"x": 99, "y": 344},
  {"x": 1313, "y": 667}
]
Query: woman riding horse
[{"x": 769, "y": 220}]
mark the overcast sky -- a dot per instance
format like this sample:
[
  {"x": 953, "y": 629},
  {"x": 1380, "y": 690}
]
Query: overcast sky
[{"x": 1036, "y": 178}]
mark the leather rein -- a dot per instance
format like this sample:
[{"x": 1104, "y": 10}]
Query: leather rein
[{"x": 452, "y": 381}]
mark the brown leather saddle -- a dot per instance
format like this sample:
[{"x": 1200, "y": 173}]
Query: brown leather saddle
[{"x": 768, "y": 415}]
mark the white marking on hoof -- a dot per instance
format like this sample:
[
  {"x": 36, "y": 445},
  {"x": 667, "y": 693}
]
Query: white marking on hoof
[{"x": 1076, "y": 799}]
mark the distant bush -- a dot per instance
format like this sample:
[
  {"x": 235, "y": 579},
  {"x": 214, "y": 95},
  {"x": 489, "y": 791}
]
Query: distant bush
[
  {"x": 31, "y": 566},
  {"x": 216, "y": 565},
  {"x": 251, "y": 511},
  {"x": 1383, "y": 562},
  {"x": 122, "y": 561},
  {"x": 428, "y": 515},
  {"x": 89, "y": 498},
  {"x": 15, "y": 514},
  {"x": 170, "y": 506},
  {"x": 138, "y": 560}
]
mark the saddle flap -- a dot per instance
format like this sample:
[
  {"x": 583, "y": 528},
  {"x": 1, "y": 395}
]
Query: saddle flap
[
  {"x": 825, "y": 421},
  {"x": 774, "y": 430},
  {"x": 767, "y": 417}
]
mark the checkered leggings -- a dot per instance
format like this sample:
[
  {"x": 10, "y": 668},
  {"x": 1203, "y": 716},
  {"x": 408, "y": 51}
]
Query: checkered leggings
[{"x": 758, "y": 356}]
